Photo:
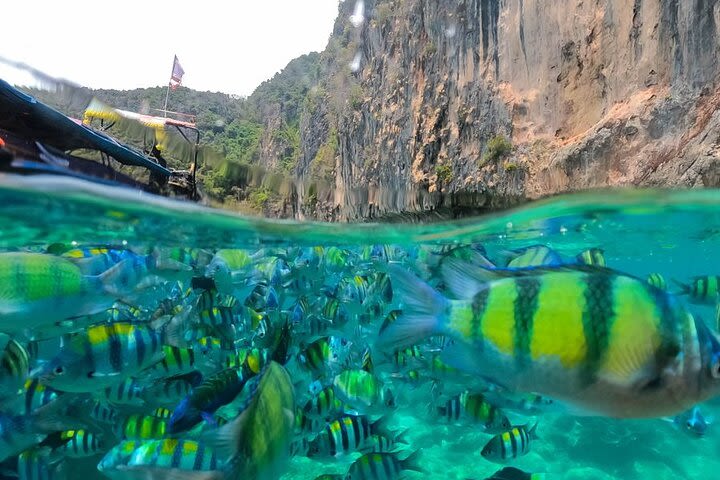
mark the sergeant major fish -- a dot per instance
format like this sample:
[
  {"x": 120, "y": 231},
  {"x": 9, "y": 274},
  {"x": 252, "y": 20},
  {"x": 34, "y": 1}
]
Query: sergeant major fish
[
  {"x": 510, "y": 444},
  {"x": 104, "y": 355},
  {"x": 602, "y": 341},
  {"x": 38, "y": 290}
]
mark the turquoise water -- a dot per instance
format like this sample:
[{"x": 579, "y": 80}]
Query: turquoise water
[{"x": 674, "y": 233}]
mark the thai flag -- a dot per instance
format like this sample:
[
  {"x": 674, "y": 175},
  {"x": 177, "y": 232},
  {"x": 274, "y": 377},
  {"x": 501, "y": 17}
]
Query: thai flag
[{"x": 177, "y": 74}]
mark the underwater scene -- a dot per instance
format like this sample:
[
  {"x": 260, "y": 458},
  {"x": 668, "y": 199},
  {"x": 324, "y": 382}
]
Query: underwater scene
[{"x": 144, "y": 338}]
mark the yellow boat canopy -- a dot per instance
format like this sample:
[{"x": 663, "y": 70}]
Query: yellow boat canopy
[{"x": 101, "y": 111}]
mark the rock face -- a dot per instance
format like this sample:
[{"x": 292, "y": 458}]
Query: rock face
[{"x": 590, "y": 93}]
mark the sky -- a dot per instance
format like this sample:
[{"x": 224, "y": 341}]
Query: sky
[{"x": 229, "y": 46}]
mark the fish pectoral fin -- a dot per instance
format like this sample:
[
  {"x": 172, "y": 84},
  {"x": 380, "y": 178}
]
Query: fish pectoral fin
[
  {"x": 652, "y": 384},
  {"x": 644, "y": 379}
]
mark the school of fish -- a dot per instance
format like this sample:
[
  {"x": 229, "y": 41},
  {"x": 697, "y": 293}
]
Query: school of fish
[{"x": 199, "y": 364}]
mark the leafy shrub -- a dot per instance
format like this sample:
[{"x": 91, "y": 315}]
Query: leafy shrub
[
  {"x": 259, "y": 198},
  {"x": 511, "y": 166},
  {"x": 443, "y": 173},
  {"x": 356, "y": 97},
  {"x": 323, "y": 165},
  {"x": 498, "y": 147}
]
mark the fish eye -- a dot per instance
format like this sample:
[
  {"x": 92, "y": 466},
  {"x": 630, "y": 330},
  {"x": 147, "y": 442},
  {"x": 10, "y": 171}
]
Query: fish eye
[
  {"x": 689, "y": 424},
  {"x": 59, "y": 370}
]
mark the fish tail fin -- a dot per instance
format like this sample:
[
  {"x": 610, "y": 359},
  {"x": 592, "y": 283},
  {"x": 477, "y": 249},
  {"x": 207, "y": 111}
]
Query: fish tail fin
[
  {"x": 402, "y": 437},
  {"x": 173, "y": 332},
  {"x": 160, "y": 260},
  {"x": 532, "y": 433},
  {"x": 380, "y": 427},
  {"x": 412, "y": 462},
  {"x": 226, "y": 439},
  {"x": 423, "y": 311},
  {"x": 685, "y": 289},
  {"x": 172, "y": 329},
  {"x": 120, "y": 279}
]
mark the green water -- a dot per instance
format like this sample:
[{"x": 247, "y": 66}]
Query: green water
[{"x": 675, "y": 233}]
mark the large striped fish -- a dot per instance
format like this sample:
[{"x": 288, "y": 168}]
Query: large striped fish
[
  {"x": 160, "y": 459},
  {"x": 605, "y": 342},
  {"x": 38, "y": 290},
  {"x": 104, "y": 355}
]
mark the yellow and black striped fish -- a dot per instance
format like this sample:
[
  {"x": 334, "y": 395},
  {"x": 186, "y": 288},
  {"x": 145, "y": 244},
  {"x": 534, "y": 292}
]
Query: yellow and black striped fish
[
  {"x": 14, "y": 366},
  {"x": 402, "y": 357},
  {"x": 103, "y": 355},
  {"x": 345, "y": 435},
  {"x": 179, "y": 360},
  {"x": 592, "y": 256},
  {"x": 39, "y": 463},
  {"x": 325, "y": 353},
  {"x": 36, "y": 395},
  {"x": 703, "y": 290},
  {"x": 141, "y": 427},
  {"x": 510, "y": 444},
  {"x": 79, "y": 443},
  {"x": 593, "y": 337},
  {"x": 475, "y": 407},
  {"x": 657, "y": 281},
  {"x": 383, "y": 466},
  {"x": 174, "y": 454},
  {"x": 323, "y": 405}
]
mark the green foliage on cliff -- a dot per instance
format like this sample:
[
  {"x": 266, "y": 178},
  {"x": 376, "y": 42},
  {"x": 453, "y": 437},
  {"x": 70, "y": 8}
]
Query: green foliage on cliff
[
  {"x": 498, "y": 147},
  {"x": 322, "y": 166},
  {"x": 443, "y": 172},
  {"x": 288, "y": 136},
  {"x": 240, "y": 141}
]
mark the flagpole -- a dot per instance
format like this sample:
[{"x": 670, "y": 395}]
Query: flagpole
[
  {"x": 167, "y": 94},
  {"x": 167, "y": 91}
]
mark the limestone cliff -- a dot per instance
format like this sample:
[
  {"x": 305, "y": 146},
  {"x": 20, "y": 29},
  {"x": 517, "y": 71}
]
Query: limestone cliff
[{"x": 590, "y": 93}]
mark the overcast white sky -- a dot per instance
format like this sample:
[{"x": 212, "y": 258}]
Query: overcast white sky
[{"x": 223, "y": 45}]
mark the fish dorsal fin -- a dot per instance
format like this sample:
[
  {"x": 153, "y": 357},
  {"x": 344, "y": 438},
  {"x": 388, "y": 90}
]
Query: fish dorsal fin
[{"x": 463, "y": 279}]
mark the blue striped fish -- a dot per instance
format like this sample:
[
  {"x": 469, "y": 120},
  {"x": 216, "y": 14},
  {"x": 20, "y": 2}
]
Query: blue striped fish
[
  {"x": 103, "y": 355},
  {"x": 510, "y": 444}
]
